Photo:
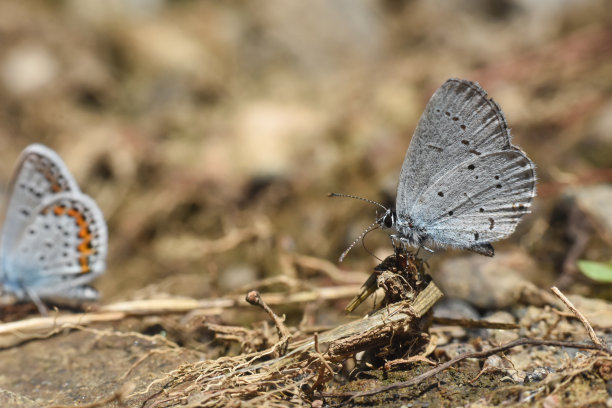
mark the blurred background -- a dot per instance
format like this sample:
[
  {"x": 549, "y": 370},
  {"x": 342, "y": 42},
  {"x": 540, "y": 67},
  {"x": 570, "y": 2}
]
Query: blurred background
[{"x": 210, "y": 132}]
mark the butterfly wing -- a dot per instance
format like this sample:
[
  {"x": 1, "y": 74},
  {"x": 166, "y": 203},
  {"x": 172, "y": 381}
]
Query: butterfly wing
[
  {"x": 479, "y": 201},
  {"x": 459, "y": 123},
  {"x": 62, "y": 248},
  {"x": 40, "y": 173}
]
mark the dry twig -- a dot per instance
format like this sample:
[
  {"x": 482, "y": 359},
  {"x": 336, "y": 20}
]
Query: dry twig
[
  {"x": 582, "y": 319},
  {"x": 474, "y": 324},
  {"x": 13, "y": 333},
  {"x": 255, "y": 299}
]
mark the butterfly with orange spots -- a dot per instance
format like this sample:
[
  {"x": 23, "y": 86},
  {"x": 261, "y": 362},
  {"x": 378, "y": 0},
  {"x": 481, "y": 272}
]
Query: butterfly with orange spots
[{"x": 54, "y": 237}]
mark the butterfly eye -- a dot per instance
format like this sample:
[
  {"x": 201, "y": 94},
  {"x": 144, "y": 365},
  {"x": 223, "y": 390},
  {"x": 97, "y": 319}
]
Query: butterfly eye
[{"x": 388, "y": 221}]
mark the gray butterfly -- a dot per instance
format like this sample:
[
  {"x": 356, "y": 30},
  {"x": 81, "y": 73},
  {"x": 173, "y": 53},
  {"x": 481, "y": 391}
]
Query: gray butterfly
[
  {"x": 54, "y": 237},
  {"x": 463, "y": 184}
]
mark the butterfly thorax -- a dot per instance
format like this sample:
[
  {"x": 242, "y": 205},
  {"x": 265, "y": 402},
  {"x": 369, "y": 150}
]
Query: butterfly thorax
[{"x": 409, "y": 233}]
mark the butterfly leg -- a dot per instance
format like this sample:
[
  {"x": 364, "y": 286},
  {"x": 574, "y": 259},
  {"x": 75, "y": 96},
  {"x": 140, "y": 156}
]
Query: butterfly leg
[
  {"x": 395, "y": 240},
  {"x": 42, "y": 309},
  {"x": 426, "y": 256},
  {"x": 400, "y": 244}
]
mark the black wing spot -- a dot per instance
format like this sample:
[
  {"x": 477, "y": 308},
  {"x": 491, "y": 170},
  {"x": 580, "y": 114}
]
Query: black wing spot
[
  {"x": 471, "y": 167},
  {"x": 496, "y": 177},
  {"x": 481, "y": 210},
  {"x": 455, "y": 118},
  {"x": 447, "y": 113},
  {"x": 465, "y": 142},
  {"x": 476, "y": 177},
  {"x": 440, "y": 193},
  {"x": 462, "y": 127},
  {"x": 498, "y": 186},
  {"x": 521, "y": 207},
  {"x": 492, "y": 221},
  {"x": 476, "y": 236},
  {"x": 450, "y": 213}
]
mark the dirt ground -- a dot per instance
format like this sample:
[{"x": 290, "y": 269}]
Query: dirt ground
[{"x": 210, "y": 134}]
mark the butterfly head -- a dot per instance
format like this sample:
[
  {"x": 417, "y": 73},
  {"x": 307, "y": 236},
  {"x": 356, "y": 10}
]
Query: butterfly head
[{"x": 387, "y": 219}]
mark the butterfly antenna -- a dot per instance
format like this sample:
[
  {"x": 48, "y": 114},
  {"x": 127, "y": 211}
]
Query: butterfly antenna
[
  {"x": 357, "y": 198},
  {"x": 363, "y": 242},
  {"x": 373, "y": 226}
]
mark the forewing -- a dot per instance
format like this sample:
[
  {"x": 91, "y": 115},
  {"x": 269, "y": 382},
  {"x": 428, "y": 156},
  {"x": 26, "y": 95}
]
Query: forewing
[
  {"x": 459, "y": 123},
  {"x": 479, "y": 201},
  {"x": 63, "y": 246},
  {"x": 40, "y": 174}
]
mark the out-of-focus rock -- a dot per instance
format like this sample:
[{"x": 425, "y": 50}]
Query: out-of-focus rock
[
  {"x": 236, "y": 276},
  {"x": 27, "y": 68},
  {"x": 456, "y": 309},
  {"x": 320, "y": 35},
  {"x": 167, "y": 48},
  {"x": 596, "y": 202},
  {"x": 597, "y": 145},
  {"x": 94, "y": 11},
  {"x": 498, "y": 336},
  {"x": 487, "y": 283},
  {"x": 270, "y": 138},
  {"x": 537, "y": 21}
]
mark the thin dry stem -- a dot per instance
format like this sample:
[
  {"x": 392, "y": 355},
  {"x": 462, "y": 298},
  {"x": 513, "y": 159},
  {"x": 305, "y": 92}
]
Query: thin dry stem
[
  {"x": 580, "y": 317},
  {"x": 255, "y": 299},
  {"x": 14, "y": 333},
  {"x": 474, "y": 324}
]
